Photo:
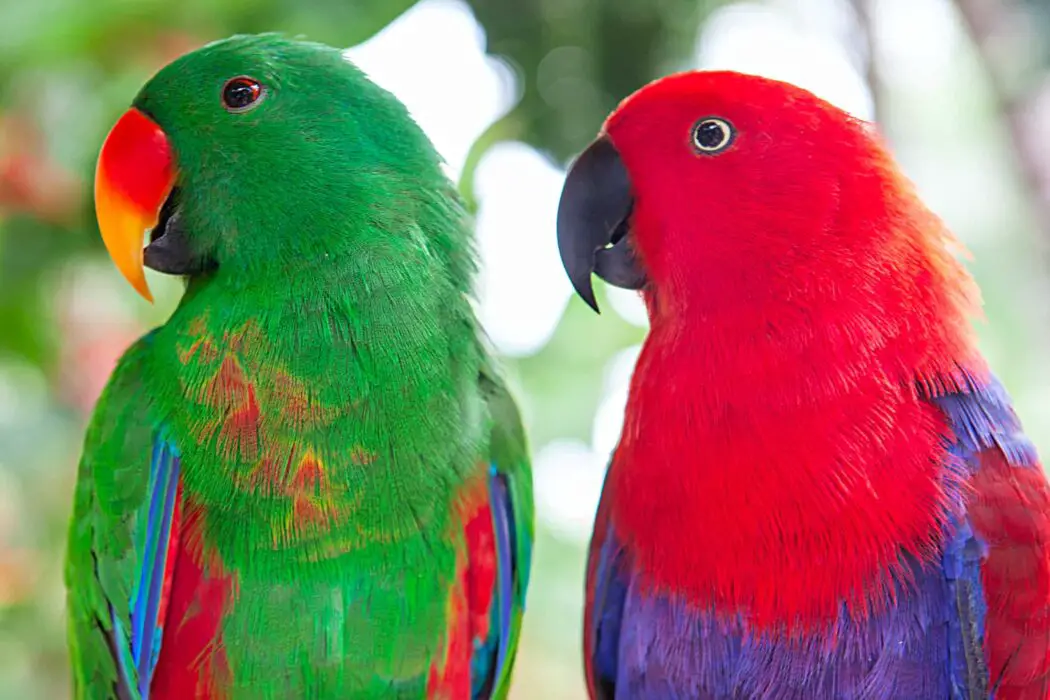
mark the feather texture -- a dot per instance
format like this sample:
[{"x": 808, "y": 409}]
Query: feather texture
[
  {"x": 342, "y": 477},
  {"x": 1009, "y": 511},
  {"x": 148, "y": 598},
  {"x": 947, "y": 631},
  {"x": 820, "y": 490}
]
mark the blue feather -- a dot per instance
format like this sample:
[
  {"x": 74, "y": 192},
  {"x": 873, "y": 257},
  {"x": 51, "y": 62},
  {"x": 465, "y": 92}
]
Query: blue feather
[
  {"x": 490, "y": 655},
  {"x": 125, "y": 661},
  {"x": 610, "y": 596},
  {"x": 139, "y": 654},
  {"x": 501, "y": 513}
]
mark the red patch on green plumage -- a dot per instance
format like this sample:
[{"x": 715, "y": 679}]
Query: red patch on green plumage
[
  {"x": 470, "y": 597},
  {"x": 361, "y": 456},
  {"x": 309, "y": 478},
  {"x": 449, "y": 677},
  {"x": 245, "y": 408},
  {"x": 297, "y": 407},
  {"x": 309, "y": 492},
  {"x": 238, "y": 425},
  {"x": 480, "y": 575}
]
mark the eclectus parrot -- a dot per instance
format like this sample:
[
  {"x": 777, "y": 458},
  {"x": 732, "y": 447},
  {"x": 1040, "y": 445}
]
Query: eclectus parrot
[
  {"x": 820, "y": 490},
  {"x": 310, "y": 482}
]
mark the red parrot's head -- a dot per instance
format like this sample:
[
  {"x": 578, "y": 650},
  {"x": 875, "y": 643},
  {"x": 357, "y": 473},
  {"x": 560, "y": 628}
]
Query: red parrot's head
[{"x": 712, "y": 191}]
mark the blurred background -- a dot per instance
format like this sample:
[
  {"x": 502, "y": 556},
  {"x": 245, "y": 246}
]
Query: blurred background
[{"x": 508, "y": 90}]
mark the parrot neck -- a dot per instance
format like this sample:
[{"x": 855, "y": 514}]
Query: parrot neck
[
  {"x": 779, "y": 462},
  {"x": 294, "y": 404}
]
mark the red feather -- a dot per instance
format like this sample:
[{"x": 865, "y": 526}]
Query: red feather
[
  {"x": 480, "y": 575},
  {"x": 471, "y": 598},
  {"x": 1010, "y": 511},
  {"x": 190, "y": 665}
]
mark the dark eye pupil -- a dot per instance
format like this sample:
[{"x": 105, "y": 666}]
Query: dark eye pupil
[
  {"x": 240, "y": 93},
  {"x": 710, "y": 134}
]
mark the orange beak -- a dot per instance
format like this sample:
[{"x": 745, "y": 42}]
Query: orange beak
[{"x": 134, "y": 176}]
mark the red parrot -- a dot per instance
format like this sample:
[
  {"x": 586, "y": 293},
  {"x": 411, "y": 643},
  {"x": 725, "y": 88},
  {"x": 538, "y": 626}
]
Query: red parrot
[{"x": 821, "y": 490}]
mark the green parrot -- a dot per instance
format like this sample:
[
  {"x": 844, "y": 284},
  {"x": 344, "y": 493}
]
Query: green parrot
[{"x": 310, "y": 482}]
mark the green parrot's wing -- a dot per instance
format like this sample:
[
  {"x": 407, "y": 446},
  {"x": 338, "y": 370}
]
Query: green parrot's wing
[
  {"x": 125, "y": 502},
  {"x": 510, "y": 497}
]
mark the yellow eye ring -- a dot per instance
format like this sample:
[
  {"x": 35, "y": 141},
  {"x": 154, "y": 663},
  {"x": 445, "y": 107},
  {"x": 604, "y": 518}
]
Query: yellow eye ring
[{"x": 712, "y": 135}]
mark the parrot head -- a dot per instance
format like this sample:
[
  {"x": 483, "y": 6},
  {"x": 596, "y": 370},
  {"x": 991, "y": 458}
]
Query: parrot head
[
  {"x": 710, "y": 190},
  {"x": 245, "y": 154}
]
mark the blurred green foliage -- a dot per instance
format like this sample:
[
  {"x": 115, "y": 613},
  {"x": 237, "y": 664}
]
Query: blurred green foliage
[{"x": 578, "y": 58}]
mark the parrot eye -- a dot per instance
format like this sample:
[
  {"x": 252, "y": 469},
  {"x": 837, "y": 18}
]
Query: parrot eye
[
  {"x": 241, "y": 94},
  {"x": 712, "y": 135}
]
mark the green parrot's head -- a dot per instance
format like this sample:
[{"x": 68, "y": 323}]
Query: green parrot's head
[{"x": 259, "y": 154}]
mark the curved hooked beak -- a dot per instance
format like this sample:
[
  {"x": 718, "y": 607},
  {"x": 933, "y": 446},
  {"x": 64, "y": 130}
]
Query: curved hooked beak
[
  {"x": 135, "y": 192},
  {"x": 134, "y": 176},
  {"x": 593, "y": 222}
]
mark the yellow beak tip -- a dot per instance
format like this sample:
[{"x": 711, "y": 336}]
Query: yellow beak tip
[
  {"x": 133, "y": 177},
  {"x": 135, "y": 275},
  {"x": 143, "y": 290}
]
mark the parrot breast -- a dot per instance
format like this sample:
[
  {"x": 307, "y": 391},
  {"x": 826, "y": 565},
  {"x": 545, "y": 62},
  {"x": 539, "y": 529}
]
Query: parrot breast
[
  {"x": 788, "y": 505},
  {"x": 779, "y": 455}
]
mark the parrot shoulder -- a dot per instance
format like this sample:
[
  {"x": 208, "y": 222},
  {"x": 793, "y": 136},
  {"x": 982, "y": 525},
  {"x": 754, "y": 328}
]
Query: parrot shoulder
[{"x": 124, "y": 517}]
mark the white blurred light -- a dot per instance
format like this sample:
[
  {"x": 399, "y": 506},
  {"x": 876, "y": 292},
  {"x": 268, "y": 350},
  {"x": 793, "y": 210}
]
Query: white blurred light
[
  {"x": 522, "y": 288},
  {"x": 919, "y": 41},
  {"x": 23, "y": 393},
  {"x": 949, "y": 140},
  {"x": 568, "y": 479},
  {"x": 608, "y": 419},
  {"x": 433, "y": 59},
  {"x": 568, "y": 474},
  {"x": 834, "y": 18},
  {"x": 455, "y": 95},
  {"x": 762, "y": 40},
  {"x": 628, "y": 305}
]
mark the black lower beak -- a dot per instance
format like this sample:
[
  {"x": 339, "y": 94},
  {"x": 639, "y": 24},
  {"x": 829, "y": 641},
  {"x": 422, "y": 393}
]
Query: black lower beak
[
  {"x": 170, "y": 250},
  {"x": 594, "y": 222}
]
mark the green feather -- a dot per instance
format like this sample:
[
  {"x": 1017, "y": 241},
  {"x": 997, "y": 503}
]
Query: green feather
[
  {"x": 321, "y": 385},
  {"x": 509, "y": 452}
]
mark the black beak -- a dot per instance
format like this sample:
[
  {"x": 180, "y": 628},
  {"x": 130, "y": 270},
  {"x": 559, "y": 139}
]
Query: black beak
[
  {"x": 593, "y": 222},
  {"x": 169, "y": 250}
]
